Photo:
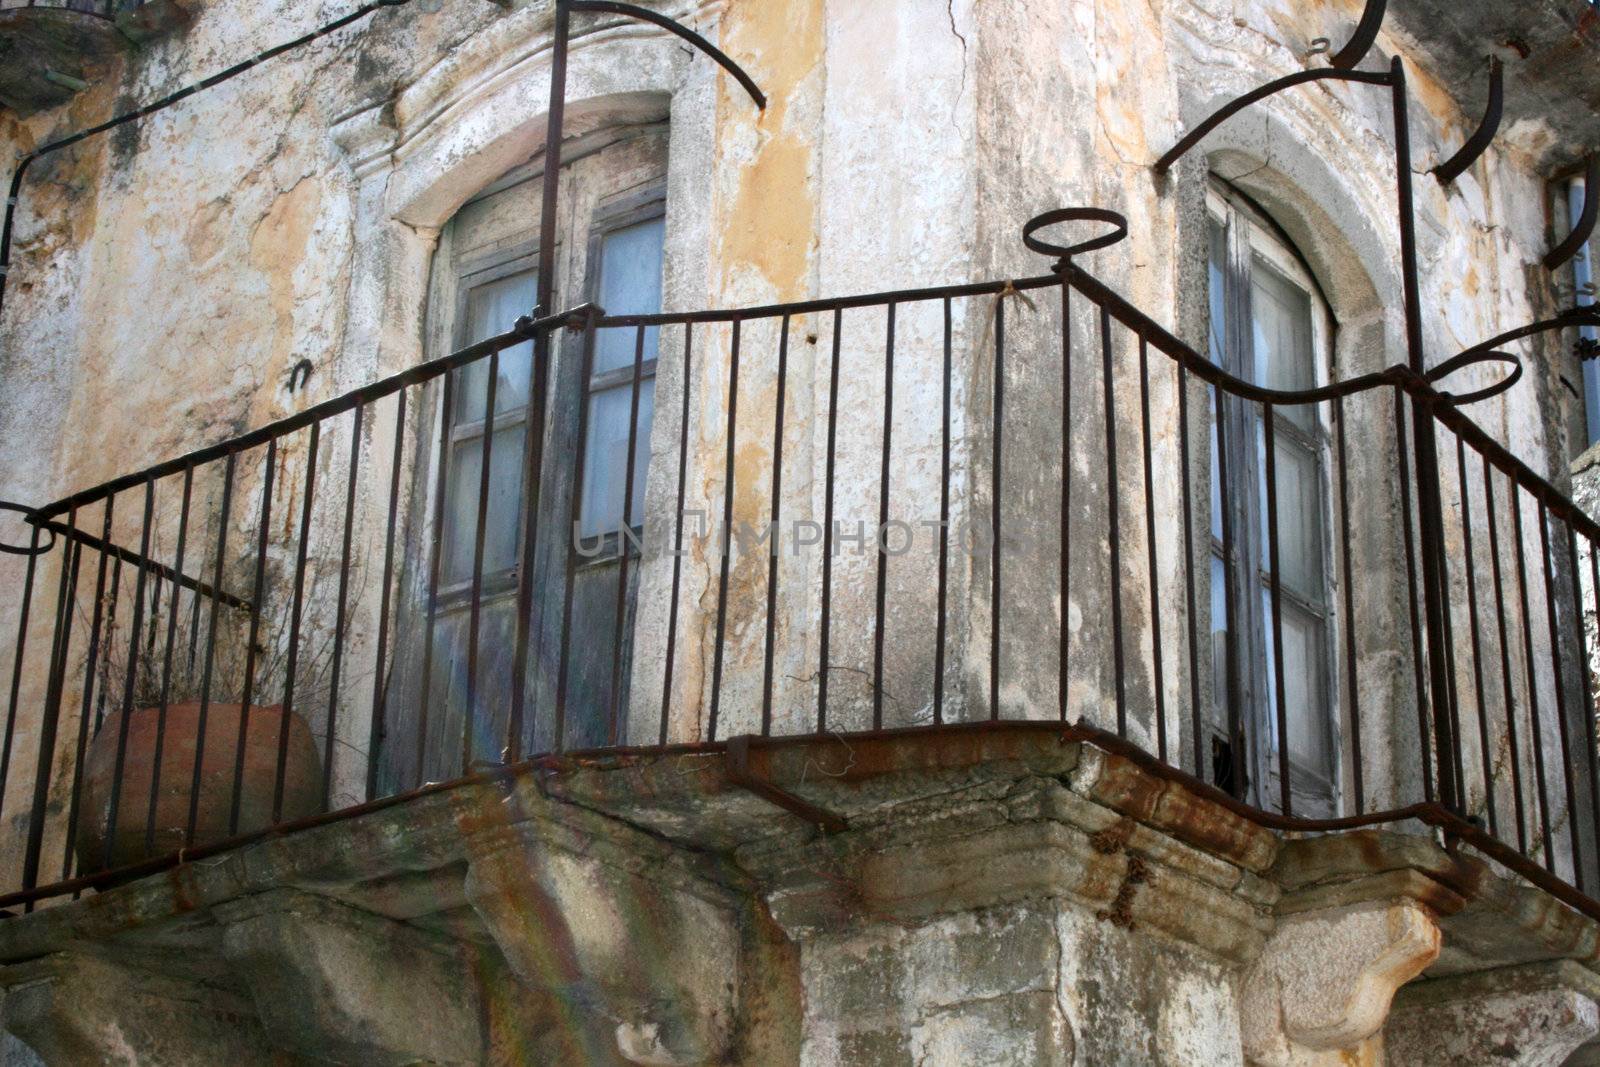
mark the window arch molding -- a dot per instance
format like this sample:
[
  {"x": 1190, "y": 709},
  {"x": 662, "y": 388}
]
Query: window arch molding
[
  {"x": 1344, "y": 243},
  {"x": 1337, "y": 241},
  {"x": 416, "y": 159}
]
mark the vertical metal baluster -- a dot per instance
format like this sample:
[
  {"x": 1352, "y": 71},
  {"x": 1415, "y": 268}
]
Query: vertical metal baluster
[
  {"x": 1150, "y": 544},
  {"x": 1349, "y": 624},
  {"x": 259, "y": 589},
  {"x": 16, "y": 663},
  {"x": 90, "y": 662},
  {"x": 538, "y": 400},
  {"x": 1064, "y": 636},
  {"x": 727, "y": 527},
  {"x": 1583, "y": 672},
  {"x": 1191, "y": 611},
  {"x": 1452, "y": 709},
  {"x": 1536, "y": 735},
  {"x": 944, "y": 521},
  {"x": 1113, "y": 522},
  {"x": 1230, "y": 609},
  {"x": 1430, "y": 520},
  {"x": 211, "y": 647},
  {"x": 532, "y": 476},
  {"x": 1560, "y": 688},
  {"x": 340, "y": 606},
  {"x": 1477, "y": 648},
  {"x": 195, "y": 599},
  {"x": 1274, "y": 564},
  {"x": 677, "y": 535},
  {"x": 380, "y": 681},
  {"x": 296, "y": 609},
  {"x": 66, "y": 866},
  {"x": 480, "y": 531},
  {"x": 1411, "y": 596},
  {"x": 881, "y": 615},
  {"x": 436, "y": 539},
  {"x": 623, "y": 549},
  {"x": 827, "y": 533},
  {"x": 777, "y": 534},
  {"x": 166, "y": 662},
  {"x": 996, "y": 469},
  {"x": 44, "y": 761},
  {"x": 1505, "y": 660},
  {"x": 153, "y": 613},
  {"x": 585, "y": 372},
  {"x": 111, "y": 633},
  {"x": 128, "y": 683}
]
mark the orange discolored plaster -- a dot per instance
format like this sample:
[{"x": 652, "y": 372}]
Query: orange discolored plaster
[{"x": 769, "y": 225}]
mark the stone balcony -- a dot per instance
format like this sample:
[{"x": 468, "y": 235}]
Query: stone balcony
[{"x": 653, "y": 910}]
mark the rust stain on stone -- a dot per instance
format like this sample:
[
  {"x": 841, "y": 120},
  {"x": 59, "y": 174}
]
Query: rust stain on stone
[
  {"x": 277, "y": 248},
  {"x": 770, "y": 223},
  {"x": 1123, "y": 786}
]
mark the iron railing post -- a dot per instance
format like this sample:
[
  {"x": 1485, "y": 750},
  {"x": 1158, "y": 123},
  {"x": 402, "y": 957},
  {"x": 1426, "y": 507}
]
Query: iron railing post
[
  {"x": 544, "y": 288},
  {"x": 1430, "y": 523}
]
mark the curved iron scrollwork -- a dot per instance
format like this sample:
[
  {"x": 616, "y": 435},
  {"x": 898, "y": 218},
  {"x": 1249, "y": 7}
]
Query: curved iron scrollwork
[
  {"x": 1118, "y": 222},
  {"x": 1233, "y": 107},
  {"x": 1584, "y": 227},
  {"x": 1483, "y": 136},
  {"x": 1472, "y": 358},
  {"x": 609, "y": 7},
  {"x": 31, "y": 515},
  {"x": 1360, "y": 43}
]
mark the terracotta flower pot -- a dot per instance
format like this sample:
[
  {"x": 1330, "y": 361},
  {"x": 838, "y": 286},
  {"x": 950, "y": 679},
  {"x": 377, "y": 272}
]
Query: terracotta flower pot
[{"x": 302, "y": 783}]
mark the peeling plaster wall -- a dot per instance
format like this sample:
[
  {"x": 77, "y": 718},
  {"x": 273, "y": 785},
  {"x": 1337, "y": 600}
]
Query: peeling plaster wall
[{"x": 169, "y": 277}]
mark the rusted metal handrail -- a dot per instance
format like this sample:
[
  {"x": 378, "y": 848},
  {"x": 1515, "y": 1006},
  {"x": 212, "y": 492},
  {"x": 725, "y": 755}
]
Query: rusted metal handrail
[
  {"x": 1098, "y": 332},
  {"x": 1119, "y": 319}
]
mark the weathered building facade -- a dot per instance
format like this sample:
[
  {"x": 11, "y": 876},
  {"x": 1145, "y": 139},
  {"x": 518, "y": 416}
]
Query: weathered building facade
[{"x": 719, "y": 594}]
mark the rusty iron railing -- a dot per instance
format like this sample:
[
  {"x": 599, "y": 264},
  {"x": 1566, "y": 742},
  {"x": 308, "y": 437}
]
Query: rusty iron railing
[
  {"x": 1508, "y": 763},
  {"x": 163, "y": 612}
]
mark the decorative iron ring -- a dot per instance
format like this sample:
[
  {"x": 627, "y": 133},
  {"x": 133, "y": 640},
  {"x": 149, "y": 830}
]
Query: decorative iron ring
[
  {"x": 36, "y": 550},
  {"x": 1117, "y": 220},
  {"x": 1468, "y": 359}
]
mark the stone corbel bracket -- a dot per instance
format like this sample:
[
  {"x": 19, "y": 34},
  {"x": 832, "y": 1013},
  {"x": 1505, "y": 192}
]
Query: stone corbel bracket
[
  {"x": 606, "y": 921},
  {"x": 1322, "y": 987}
]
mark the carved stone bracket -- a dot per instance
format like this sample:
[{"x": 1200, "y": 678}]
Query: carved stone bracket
[
  {"x": 334, "y": 981},
  {"x": 1322, "y": 988},
  {"x": 644, "y": 961}
]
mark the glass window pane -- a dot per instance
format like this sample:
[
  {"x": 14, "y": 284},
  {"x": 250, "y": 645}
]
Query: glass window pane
[
  {"x": 605, "y": 461},
  {"x": 1219, "y": 637},
  {"x": 1216, "y": 466},
  {"x": 1306, "y": 702},
  {"x": 1215, "y": 260},
  {"x": 1280, "y": 330},
  {"x": 1300, "y": 547},
  {"x": 630, "y": 284},
  {"x": 492, "y": 308},
  {"x": 1300, "y": 519},
  {"x": 461, "y": 511}
]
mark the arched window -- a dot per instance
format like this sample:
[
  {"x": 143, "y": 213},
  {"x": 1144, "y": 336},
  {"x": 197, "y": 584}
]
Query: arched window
[
  {"x": 1271, "y": 326},
  {"x": 485, "y": 275}
]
